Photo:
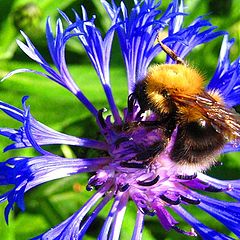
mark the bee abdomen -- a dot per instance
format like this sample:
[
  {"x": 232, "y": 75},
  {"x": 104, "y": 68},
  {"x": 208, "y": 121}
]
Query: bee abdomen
[{"x": 196, "y": 144}]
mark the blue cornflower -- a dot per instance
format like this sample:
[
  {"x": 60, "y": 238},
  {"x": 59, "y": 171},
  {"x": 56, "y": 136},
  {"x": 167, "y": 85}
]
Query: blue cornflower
[{"x": 117, "y": 175}]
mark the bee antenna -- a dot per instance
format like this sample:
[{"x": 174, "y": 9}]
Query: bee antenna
[{"x": 170, "y": 52}]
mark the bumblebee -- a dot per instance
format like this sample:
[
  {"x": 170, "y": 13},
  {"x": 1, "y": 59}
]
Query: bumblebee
[{"x": 202, "y": 121}]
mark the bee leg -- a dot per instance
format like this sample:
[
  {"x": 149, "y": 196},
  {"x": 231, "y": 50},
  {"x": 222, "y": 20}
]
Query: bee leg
[
  {"x": 131, "y": 101},
  {"x": 187, "y": 177},
  {"x": 150, "y": 124},
  {"x": 140, "y": 95},
  {"x": 211, "y": 188},
  {"x": 167, "y": 125},
  {"x": 121, "y": 140},
  {"x": 133, "y": 165},
  {"x": 150, "y": 152}
]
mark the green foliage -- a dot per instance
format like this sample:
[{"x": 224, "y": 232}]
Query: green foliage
[{"x": 53, "y": 202}]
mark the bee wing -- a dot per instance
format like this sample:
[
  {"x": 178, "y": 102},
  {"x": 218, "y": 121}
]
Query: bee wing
[{"x": 223, "y": 119}]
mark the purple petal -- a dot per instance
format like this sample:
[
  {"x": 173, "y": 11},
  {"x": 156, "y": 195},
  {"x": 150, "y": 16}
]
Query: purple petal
[
  {"x": 110, "y": 218},
  {"x": 119, "y": 215},
  {"x": 166, "y": 220},
  {"x": 138, "y": 228},
  {"x": 94, "y": 214},
  {"x": 233, "y": 146}
]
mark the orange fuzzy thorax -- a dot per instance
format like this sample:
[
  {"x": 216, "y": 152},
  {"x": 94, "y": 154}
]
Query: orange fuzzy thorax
[{"x": 175, "y": 78}]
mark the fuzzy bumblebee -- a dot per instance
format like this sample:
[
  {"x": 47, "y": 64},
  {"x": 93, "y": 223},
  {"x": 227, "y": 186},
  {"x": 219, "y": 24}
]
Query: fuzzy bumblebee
[{"x": 176, "y": 94}]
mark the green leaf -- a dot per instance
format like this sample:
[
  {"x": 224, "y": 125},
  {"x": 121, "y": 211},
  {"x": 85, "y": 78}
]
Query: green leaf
[
  {"x": 29, "y": 225},
  {"x": 7, "y": 231}
]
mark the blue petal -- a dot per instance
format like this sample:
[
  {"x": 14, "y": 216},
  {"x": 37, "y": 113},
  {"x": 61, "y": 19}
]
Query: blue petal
[
  {"x": 138, "y": 228},
  {"x": 233, "y": 146},
  {"x": 175, "y": 24},
  {"x": 42, "y": 134},
  {"x": 112, "y": 225},
  {"x": 228, "y": 213},
  {"x": 12, "y": 111},
  {"x": 26, "y": 173},
  {"x": 57, "y": 50},
  {"x": 33, "y": 53},
  {"x": 69, "y": 229},
  {"x": 98, "y": 50},
  {"x": 205, "y": 232},
  {"x": 137, "y": 32},
  {"x": 230, "y": 187},
  {"x": 190, "y": 37},
  {"x": 99, "y": 207},
  {"x": 108, "y": 221},
  {"x": 227, "y": 76}
]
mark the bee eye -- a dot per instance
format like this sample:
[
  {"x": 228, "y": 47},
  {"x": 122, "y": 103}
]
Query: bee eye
[{"x": 165, "y": 93}]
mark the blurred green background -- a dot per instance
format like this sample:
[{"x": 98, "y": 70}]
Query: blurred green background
[{"x": 53, "y": 202}]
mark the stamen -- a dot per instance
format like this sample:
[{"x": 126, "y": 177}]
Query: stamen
[
  {"x": 187, "y": 177},
  {"x": 100, "y": 117},
  {"x": 177, "y": 229},
  {"x": 170, "y": 201},
  {"x": 124, "y": 187},
  {"x": 150, "y": 183},
  {"x": 89, "y": 188},
  {"x": 146, "y": 211},
  {"x": 190, "y": 201},
  {"x": 121, "y": 140},
  {"x": 211, "y": 188},
  {"x": 132, "y": 165}
]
